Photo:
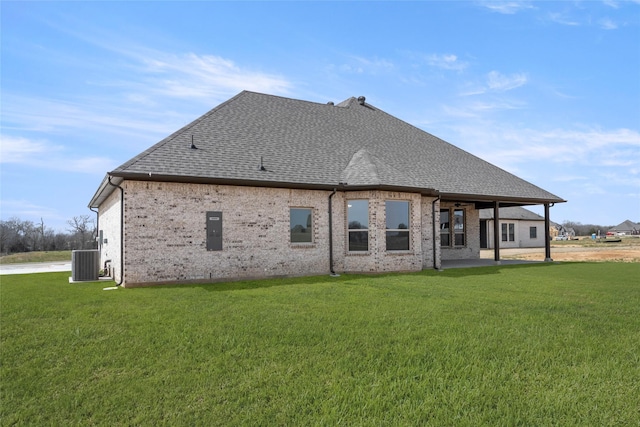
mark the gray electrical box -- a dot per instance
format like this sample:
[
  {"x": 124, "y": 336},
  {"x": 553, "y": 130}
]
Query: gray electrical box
[{"x": 214, "y": 231}]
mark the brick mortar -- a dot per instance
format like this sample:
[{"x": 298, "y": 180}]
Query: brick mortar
[{"x": 165, "y": 233}]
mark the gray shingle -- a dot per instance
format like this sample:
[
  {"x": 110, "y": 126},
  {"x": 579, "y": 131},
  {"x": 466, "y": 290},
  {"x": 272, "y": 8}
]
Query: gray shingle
[
  {"x": 514, "y": 212},
  {"x": 305, "y": 143}
]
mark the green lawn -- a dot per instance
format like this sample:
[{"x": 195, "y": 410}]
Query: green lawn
[
  {"x": 548, "y": 344},
  {"x": 38, "y": 256}
]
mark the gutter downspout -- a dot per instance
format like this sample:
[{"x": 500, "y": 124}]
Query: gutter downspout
[
  {"x": 433, "y": 223},
  {"x": 333, "y": 273},
  {"x": 121, "y": 231}
]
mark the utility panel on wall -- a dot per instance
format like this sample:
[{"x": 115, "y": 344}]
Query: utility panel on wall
[{"x": 214, "y": 231}]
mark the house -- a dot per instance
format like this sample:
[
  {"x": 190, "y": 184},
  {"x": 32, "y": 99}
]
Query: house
[
  {"x": 519, "y": 228},
  {"x": 626, "y": 228},
  {"x": 266, "y": 186}
]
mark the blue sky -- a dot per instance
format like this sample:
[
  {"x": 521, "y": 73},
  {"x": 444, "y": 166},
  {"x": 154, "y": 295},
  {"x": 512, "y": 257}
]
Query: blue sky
[{"x": 549, "y": 91}]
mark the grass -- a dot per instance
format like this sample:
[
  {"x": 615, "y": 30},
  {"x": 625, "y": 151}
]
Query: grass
[
  {"x": 552, "y": 344},
  {"x": 38, "y": 256}
]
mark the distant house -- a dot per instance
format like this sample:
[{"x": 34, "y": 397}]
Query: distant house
[
  {"x": 266, "y": 186},
  {"x": 518, "y": 228},
  {"x": 627, "y": 227}
]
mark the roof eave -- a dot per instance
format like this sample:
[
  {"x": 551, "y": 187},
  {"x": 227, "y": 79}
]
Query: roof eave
[
  {"x": 260, "y": 183},
  {"x": 104, "y": 190},
  {"x": 485, "y": 201}
]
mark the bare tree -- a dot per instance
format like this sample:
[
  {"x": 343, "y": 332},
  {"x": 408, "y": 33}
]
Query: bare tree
[
  {"x": 17, "y": 236},
  {"x": 82, "y": 227}
]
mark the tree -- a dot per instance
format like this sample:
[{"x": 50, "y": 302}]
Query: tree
[
  {"x": 17, "y": 236},
  {"x": 82, "y": 228}
]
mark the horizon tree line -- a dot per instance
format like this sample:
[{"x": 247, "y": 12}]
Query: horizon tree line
[{"x": 18, "y": 235}]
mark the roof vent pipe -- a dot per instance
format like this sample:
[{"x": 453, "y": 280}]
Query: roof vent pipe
[
  {"x": 262, "y": 168},
  {"x": 193, "y": 146},
  {"x": 361, "y": 100}
]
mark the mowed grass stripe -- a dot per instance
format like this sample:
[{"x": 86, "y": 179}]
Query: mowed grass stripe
[{"x": 520, "y": 345}]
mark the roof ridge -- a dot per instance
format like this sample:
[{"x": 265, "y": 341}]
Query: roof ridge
[{"x": 347, "y": 103}]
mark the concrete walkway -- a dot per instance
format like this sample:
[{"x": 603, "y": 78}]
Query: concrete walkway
[
  {"x": 35, "y": 267},
  {"x": 483, "y": 262}
]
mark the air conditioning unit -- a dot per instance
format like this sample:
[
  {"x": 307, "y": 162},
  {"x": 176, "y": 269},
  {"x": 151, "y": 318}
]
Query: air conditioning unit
[{"x": 85, "y": 265}]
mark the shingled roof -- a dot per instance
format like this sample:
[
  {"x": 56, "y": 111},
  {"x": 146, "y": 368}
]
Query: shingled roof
[
  {"x": 514, "y": 212},
  {"x": 302, "y": 144}
]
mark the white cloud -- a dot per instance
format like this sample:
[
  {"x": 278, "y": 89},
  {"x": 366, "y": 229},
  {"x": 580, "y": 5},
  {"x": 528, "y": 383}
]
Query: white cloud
[
  {"x": 501, "y": 83},
  {"x": 446, "y": 62},
  {"x": 18, "y": 149},
  {"x": 192, "y": 76},
  {"x": 561, "y": 19},
  {"x": 508, "y": 146},
  {"x": 494, "y": 82},
  {"x": 478, "y": 109},
  {"x": 185, "y": 75},
  {"x": 89, "y": 117},
  {"x": 43, "y": 155},
  {"x": 507, "y": 7},
  {"x": 570, "y": 178},
  {"x": 607, "y": 24},
  {"x": 362, "y": 65},
  {"x": 22, "y": 209}
]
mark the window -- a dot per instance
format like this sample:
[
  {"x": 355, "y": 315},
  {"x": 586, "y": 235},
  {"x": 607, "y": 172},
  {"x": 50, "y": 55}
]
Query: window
[
  {"x": 358, "y": 225},
  {"x": 533, "y": 232},
  {"x": 397, "y": 213},
  {"x": 508, "y": 232},
  {"x": 455, "y": 236},
  {"x": 458, "y": 227},
  {"x": 445, "y": 231},
  {"x": 301, "y": 225}
]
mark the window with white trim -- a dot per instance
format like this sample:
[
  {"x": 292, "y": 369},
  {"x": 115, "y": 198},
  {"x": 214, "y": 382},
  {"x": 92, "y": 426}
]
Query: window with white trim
[{"x": 508, "y": 232}]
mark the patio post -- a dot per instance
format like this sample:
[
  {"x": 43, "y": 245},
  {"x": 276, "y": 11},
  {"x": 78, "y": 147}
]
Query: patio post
[
  {"x": 496, "y": 232},
  {"x": 547, "y": 234}
]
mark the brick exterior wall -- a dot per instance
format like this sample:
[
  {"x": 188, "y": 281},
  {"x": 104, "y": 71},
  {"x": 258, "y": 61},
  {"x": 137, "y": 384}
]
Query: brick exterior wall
[
  {"x": 471, "y": 249},
  {"x": 378, "y": 259},
  {"x": 166, "y": 239},
  {"x": 109, "y": 223},
  {"x": 165, "y": 232}
]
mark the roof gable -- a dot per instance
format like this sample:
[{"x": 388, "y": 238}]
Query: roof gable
[{"x": 366, "y": 169}]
